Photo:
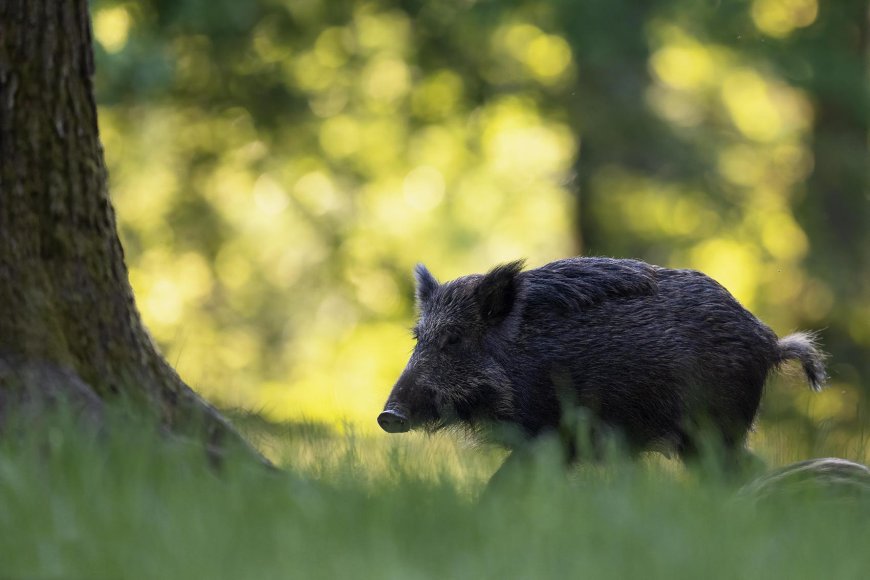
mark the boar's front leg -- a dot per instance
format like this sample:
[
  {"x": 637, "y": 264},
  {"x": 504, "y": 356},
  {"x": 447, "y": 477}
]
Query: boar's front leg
[{"x": 533, "y": 460}]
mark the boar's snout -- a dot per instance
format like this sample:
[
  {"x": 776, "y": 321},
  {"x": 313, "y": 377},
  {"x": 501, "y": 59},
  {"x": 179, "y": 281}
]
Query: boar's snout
[{"x": 393, "y": 421}]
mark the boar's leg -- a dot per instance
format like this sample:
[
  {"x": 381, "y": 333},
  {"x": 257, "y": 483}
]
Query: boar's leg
[
  {"x": 556, "y": 452},
  {"x": 725, "y": 458},
  {"x": 530, "y": 461}
]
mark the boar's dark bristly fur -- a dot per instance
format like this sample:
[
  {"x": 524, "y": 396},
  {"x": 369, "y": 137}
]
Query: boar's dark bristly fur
[{"x": 650, "y": 352}]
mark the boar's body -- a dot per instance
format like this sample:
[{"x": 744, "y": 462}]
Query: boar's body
[
  {"x": 648, "y": 350},
  {"x": 651, "y": 352}
]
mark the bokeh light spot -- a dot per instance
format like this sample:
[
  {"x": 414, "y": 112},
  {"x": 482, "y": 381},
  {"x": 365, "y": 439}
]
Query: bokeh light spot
[
  {"x": 779, "y": 18},
  {"x": 340, "y": 136},
  {"x": 548, "y": 56},
  {"x": 783, "y": 237},
  {"x": 735, "y": 265},
  {"x": 112, "y": 27},
  {"x": 437, "y": 96},
  {"x": 683, "y": 66},
  {"x": 386, "y": 79},
  {"x": 423, "y": 188},
  {"x": 749, "y": 103}
]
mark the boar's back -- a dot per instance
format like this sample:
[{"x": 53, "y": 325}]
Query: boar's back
[{"x": 582, "y": 282}]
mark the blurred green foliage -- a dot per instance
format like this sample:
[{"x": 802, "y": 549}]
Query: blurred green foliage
[{"x": 279, "y": 166}]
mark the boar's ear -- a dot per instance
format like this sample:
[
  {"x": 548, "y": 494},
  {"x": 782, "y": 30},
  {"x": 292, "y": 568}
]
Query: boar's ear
[
  {"x": 426, "y": 285},
  {"x": 498, "y": 291}
]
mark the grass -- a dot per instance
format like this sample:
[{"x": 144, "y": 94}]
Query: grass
[{"x": 134, "y": 505}]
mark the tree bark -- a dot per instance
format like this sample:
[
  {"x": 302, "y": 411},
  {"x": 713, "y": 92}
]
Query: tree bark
[{"x": 68, "y": 320}]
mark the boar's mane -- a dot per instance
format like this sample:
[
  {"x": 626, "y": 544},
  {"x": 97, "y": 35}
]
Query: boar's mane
[
  {"x": 506, "y": 293},
  {"x": 578, "y": 283}
]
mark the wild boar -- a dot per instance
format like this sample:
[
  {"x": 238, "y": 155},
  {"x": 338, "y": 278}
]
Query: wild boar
[{"x": 651, "y": 353}]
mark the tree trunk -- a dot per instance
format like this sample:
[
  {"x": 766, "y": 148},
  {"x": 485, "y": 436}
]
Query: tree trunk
[
  {"x": 68, "y": 321},
  {"x": 836, "y": 208},
  {"x": 616, "y": 125}
]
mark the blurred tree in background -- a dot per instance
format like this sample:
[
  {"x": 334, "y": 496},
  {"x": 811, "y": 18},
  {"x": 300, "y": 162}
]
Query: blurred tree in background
[{"x": 279, "y": 166}]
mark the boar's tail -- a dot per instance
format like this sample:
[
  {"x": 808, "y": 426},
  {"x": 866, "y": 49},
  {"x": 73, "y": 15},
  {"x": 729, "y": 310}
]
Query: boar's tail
[{"x": 803, "y": 347}]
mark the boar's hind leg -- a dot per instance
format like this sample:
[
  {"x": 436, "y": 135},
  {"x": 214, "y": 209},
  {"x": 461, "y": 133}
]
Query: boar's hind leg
[{"x": 725, "y": 457}]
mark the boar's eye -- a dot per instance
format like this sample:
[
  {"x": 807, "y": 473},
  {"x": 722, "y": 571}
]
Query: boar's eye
[{"x": 451, "y": 340}]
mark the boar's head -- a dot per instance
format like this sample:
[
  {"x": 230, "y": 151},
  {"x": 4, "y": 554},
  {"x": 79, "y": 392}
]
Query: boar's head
[{"x": 457, "y": 372}]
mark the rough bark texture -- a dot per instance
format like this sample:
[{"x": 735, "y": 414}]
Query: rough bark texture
[{"x": 68, "y": 321}]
